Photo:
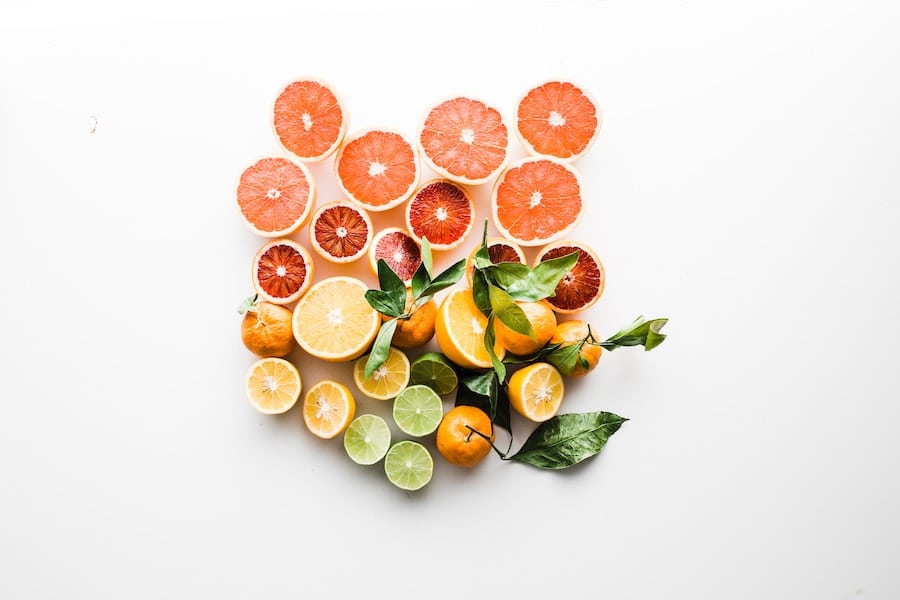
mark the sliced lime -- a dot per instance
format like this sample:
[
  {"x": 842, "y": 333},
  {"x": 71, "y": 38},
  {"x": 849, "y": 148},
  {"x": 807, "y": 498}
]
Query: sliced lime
[
  {"x": 434, "y": 370},
  {"x": 367, "y": 439},
  {"x": 418, "y": 410},
  {"x": 408, "y": 465}
]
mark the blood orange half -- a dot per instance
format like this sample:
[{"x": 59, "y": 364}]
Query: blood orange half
[
  {"x": 558, "y": 118},
  {"x": 398, "y": 249},
  {"x": 377, "y": 168},
  {"x": 275, "y": 196},
  {"x": 464, "y": 140},
  {"x": 537, "y": 200},
  {"x": 582, "y": 286},
  {"x": 499, "y": 250},
  {"x": 282, "y": 271},
  {"x": 309, "y": 119},
  {"x": 340, "y": 231},
  {"x": 442, "y": 212}
]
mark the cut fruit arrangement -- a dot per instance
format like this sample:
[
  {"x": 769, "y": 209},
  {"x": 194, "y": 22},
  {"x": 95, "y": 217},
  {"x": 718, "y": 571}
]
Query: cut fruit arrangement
[{"x": 458, "y": 354}]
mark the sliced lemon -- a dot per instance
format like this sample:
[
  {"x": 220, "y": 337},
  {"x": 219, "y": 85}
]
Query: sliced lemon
[
  {"x": 387, "y": 380},
  {"x": 536, "y": 391},
  {"x": 328, "y": 409},
  {"x": 273, "y": 385}
]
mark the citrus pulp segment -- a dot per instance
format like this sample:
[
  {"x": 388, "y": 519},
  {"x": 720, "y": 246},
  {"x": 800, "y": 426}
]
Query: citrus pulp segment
[
  {"x": 387, "y": 380},
  {"x": 442, "y": 212},
  {"x": 464, "y": 140},
  {"x": 341, "y": 232},
  {"x": 367, "y": 439},
  {"x": 582, "y": 286},
  {"x": 459, "y": 329},
  {"x": 418, "y": 410},
  {"x": 536, "y": 391},
  {"x": 333, "y": 321},
  {"x": 558, "y": 118},
  {"x": 328, "y": 409},
  {"x": 537, "y": 200},
  {"x": 500, "y": 250},
  {"x": 273, "y": 385},
  {"x": 282, "y": 271},
  {"x": 377, "y": 168},
  {"x": 275, "y": 196},
  {"x": 399, "y": 250},
  {"x": 309, "y": 119},
  {"x": 408, "y": 465},
  {"x": 434, "y": 370}
]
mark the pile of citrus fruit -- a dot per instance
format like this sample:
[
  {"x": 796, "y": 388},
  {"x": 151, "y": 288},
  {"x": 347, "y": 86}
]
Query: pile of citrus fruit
[{"x": 507, "y": 333}]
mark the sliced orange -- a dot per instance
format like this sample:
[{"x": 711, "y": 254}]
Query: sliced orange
[
  {"x": 273, "y": 385},
  {"x": 459, "y": 329},
  {"x": 441, "y": 211},
  {"x": 582, "y": 286},
  {"x": 340, "y": 231},
  {"x": 333, "y": 321},
  {"x": 328, "y": 409},
  {"x": 399, "y": 250},
  {"x": 309, "y": 119},
  {"x": 499, "y": 250},
  {"x": 537, "y": 200},
  {"x": 282, "y": 271},
  {"x": 464, "y": 140},
  {"x": 275, "y": 196},
  {"x": 558, "y": 118},
  {"x": 536, "y": 391},
  {"x": 377, "y": 168}
]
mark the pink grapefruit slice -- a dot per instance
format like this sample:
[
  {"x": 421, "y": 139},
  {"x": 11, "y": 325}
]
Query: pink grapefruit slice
[
  {"x": 309, "y": 119},
  {"x": 377, "y": 168},
  {"x": 558, "y": 118},
  {"x": 441, "y": 211},
  {"x": 275, "y": 196}
]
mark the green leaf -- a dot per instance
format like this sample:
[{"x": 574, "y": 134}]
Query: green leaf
[
  {"x": 381, "y": 347},
  {"x": 565, "y": 358},
  {"x": 385, "y": 303},
  {"x": 480, "y": 292},
  {"x": 420, "y": 281},
  {"x": 543, "y": 279},
  {"x": 506, "y": 274},
  {"x": 247, "y": 304},
  {"x": 510, "y": 313},
  {"x": 641, "y": 332},
  {"x": 483, "y": 389},
  {"x": 425, "y": 253},
  {"x": 393, "y": 287},
  {"x": 568, "y": 439},
  {"x": 482, "y": 257},
  {"x": 446, "y": 278},
  {"x": 489, "y": 340}
]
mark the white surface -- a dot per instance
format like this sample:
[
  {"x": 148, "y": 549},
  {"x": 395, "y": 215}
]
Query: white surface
[{"x": 745, "y": 185}]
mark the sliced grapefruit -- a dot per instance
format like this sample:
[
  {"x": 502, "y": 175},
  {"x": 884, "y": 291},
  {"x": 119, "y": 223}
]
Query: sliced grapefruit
[
  {"x": 282, "y": 271},
  {"x": 582, "y": 286},
  {"x": 499, "y": 250},
  {"x": 340, "y": 231},
  {"x": 537, "y": 200},
  {"x": 377, "y": 168},
  {"x": 275, "y": 196},
  {"x": 309, "y": 119},
  {"x": 558, "y": 118},
  {"x": 464, "y": 140},
  {"x": 399, "y": 250},
  {"x": 442, "y": 212}
]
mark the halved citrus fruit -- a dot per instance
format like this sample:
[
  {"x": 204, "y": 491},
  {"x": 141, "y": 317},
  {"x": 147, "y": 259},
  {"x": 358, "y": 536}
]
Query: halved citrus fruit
[
  {"x": 273, "y": 385},
  {"x": 367, "y": 439},
  {"x": 282, "y": 271},
  {"x": 377, "y": 168},
  {"x": 399, "y": 250},
  {"x": 442, "y": 212},
  {"x": 536, "y": 391},
  {"x": 309, "y": 119},
  {"x": 340, "y": 231},
  {"x": 499, "y": 250},
  {"x": 333, "y": 321},
  {"x": 408, "y": 465},
  {"x": 328, "y": 409},
  {"x": 275, "y": 196},
  {"x": 558, "y": 118},
  {"x": 582, "y": 286},
  {"x": 537, "y": 200},
  {"x": 464, "y": 140},
  {"x": 387, "y": 380},
  {"x": 459, "y": 330}
]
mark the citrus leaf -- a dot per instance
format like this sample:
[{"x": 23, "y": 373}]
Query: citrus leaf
[
  {"x": 393, "y": 286},
  {"x": 506, "y": 274},
  {"x": 568, "y": 439},
  {"x": 484, "y": 391},
  {"x": 420, "y": 280},
  {"x": 482, "y": 257},
  {"x": 542, "y": 280},
  {"x": 384, "y": 302},
  {"x": 489, "y": 340},
  {"x": 446, "y": 278},
  {"x": 381, "y": 347},
  {"x": 480, "y": 292},
  {"x": 565, "y": 358},
  {"x": 247, "y": 304},
  {"x": 641, "y": 332},
  {"x": 510, "y": 313},
  {"x": 425, "y": 254}
]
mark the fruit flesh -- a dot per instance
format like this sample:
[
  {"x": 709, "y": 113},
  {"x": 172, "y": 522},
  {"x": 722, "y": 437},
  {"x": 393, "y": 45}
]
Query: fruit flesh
[{"x": 558, "y": 119}]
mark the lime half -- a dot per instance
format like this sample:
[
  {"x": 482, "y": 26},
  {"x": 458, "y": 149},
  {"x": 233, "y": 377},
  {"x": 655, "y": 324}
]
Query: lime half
[
  {"x": 367, "y": 439},
  {"x": 434, "y": 370},
  {"x": 418, "y": 410},
  {"x": 408, "y": 465}
]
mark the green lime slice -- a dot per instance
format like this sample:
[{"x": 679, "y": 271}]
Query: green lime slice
[
  {"x": 408, "y": 465},
  {"x": 367, "y": 439},
  {"x": 434, "y": 370},
  {"x": 418, "y": 410}
]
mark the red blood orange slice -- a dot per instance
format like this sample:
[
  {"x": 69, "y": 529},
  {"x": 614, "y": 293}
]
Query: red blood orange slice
[
  {"x": 537, "y": 200},
  {"x": 441, "y": 211},
  {"x": 582, "y": 286},
  {"x": 275, "y": 196},
  {"x": 309, "y": 119},
  {"x": 398, "y": 249},
  {"x": 558, "y": 118},
  {"x": 464, "y": 140},
  {"x": 340, "y": 232},
  {"x": 282, "y": 271},
  {"x": 377, "y": 168},
  {"x": 500, "y": 250}
]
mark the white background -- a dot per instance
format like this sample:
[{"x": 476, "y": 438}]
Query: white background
[{"x": 745, "y": 185}]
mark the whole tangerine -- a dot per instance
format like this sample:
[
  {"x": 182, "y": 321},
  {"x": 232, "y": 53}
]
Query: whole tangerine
[
  {"x": 418, "y": 329},
  {"x": 543, "y": 322},
  {"x": 461, "y": 436},
  {"x": 572, "y": 332},
  {"x": 266, "y": 330}
]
